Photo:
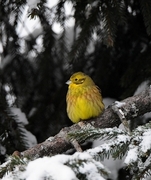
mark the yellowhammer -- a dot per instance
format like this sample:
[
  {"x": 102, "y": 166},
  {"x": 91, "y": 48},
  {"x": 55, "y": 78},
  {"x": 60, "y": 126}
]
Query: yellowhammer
[{"x": 84, "y": 100}]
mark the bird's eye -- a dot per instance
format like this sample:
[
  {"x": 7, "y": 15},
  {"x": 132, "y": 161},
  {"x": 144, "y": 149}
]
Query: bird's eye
[{"x": 76, "y": 79}]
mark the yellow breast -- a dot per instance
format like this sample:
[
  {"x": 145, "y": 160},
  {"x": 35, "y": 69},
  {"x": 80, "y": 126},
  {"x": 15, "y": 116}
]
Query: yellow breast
[{"x": 83, "y": 102}]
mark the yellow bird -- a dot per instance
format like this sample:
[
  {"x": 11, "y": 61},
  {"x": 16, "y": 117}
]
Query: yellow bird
[{"x": 84, "y": 100}]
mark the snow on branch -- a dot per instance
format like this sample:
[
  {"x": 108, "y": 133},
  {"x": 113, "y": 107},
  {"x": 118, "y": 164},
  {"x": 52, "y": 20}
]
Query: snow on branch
[
  {"x": 59, "y": 167},
  {"x": 132, "y": 107},
  {"x": 139, "y": 152}
]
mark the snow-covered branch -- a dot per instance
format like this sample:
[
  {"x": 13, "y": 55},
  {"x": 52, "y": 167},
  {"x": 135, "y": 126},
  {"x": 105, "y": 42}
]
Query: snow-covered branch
[{"x": 132, "y": 107}]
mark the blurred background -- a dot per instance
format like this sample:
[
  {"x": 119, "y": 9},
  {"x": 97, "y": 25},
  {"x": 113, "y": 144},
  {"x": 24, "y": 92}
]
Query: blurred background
[{"x": 43, "y": 42}]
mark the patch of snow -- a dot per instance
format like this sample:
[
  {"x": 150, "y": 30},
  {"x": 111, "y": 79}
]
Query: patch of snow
[
  {"x": 47, "y": 167},
  {"x": 98, "y": 149},
  {"x": 145, "y": 145},
  {"x": 131, "y": 156},
  {"x": 123, "y": 138},
  {"x": 12, "y": 175},
  {"x": 91, "y": 171},
  {"x": 68, "y": 8},
  {"x": 52, "y": 3},
  {"x": 56, "y": 27},
  {"x": 55, "y": 168},
  {"x": 129, "y": 8},
  {"x": 82, "y": 156},
  {"x": 140, "y": 128},
  {"x": 112, "y": 164},
  {"x": 119, "y": 104}
]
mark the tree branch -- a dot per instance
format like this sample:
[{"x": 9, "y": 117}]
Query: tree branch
[{"x": 132, "y": 107}]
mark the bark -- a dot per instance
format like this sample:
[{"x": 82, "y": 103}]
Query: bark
[{"x": 132, "y": 107}]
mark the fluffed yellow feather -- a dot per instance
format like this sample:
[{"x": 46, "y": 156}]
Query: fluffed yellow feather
[{"x": 84, "y": 100}]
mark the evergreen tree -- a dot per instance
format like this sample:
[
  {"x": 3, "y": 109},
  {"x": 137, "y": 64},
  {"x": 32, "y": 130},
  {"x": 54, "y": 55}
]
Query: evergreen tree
[
  {"x": 118, "y": 31},
  {"x": 135, "y": 148}
]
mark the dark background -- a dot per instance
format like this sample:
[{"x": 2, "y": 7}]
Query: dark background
[{"x": 119, "y": 63}]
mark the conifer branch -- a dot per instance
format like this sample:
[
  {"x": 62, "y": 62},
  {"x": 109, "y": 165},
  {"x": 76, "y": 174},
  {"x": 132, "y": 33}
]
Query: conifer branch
[
  {"x": 138, "y": 152},
  {"x": 146, "y": 6},
  {"x": 133, "y": 107},
  {"x": 85, "y": 35},
  {"x": 92, "y": 133}
]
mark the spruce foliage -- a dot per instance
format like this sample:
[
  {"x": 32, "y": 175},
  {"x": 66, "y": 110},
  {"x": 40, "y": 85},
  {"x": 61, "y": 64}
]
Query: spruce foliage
[
  {"x": 134, "y": 148},
  {"x": 118, "y": 32},
  {"x": 12, "y": 132}
]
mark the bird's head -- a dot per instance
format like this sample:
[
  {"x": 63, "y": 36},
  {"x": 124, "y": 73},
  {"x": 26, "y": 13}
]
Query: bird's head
[{"x": 80, "y": 79}]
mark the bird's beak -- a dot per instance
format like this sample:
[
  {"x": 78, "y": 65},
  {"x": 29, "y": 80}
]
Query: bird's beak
[{"x": 68, "y": 82}]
